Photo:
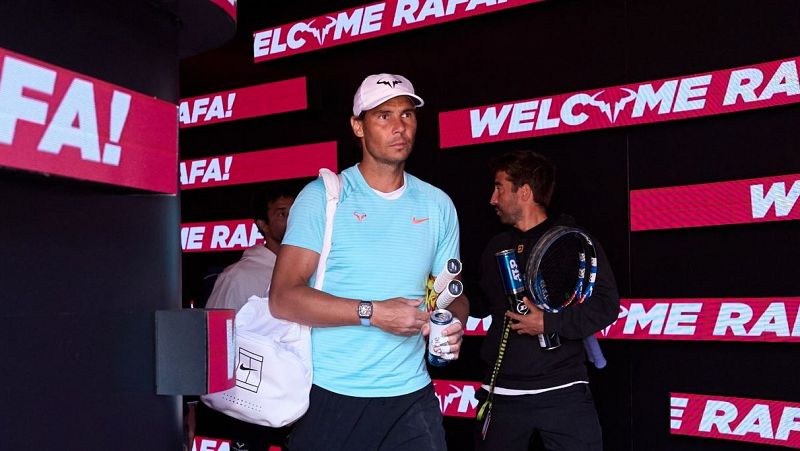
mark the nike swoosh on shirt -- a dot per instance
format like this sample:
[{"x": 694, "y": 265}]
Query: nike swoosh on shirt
[{"x": 418, "y": 221}]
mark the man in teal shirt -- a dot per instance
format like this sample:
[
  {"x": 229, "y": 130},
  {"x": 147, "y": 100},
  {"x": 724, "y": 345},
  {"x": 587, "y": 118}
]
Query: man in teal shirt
[{"x": 390, "y": 232}]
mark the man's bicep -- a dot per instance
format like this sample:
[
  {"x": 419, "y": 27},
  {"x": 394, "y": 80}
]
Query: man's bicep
[
  {"x": 449, "y": 237},
  {"x": 294, "y": 267}
]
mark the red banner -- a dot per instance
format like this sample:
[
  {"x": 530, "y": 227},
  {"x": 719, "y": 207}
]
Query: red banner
[
  {"x": 710, "y": 204},
  {"x": 725, "y": 91},
  {"x": 741, "y": 419},
  {"x": 221, "y": 352},
  {"x": 243, "y": 103},
  {"x": 218, "y": 444},
  {"x": 210, "y": 444},
  {"x": 477, "y": 326},
  {"x": 365, "y": 22},
  {"x": 229, "y": 6},
  {"x": 56, "y": 121},
  {"x": 233, "y": 235},
  {"x": 457, "y": 398},
  {"x": 259, "y": 166},
  {"x": 707, "y": 319}
]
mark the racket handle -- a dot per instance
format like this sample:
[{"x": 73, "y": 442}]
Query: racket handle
[
  {"x": 453, "y": 290},
  {"x": 593, "y": 352}
]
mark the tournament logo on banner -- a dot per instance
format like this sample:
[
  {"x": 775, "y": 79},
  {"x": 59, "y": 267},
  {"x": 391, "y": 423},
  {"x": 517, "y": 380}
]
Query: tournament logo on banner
[
  {"x": 259, "y": 166},
  {"x": 56, "y": 121},
  {"x": 707, "y": 319},
  {"x": 711, "y": 204},
  {"x": 365, "y": 22},
  {"x": 741, "y": 419},
  {"x": 457, "y": 398},
  {"x": 235, "y": 235},
  {"x": 243, "y": 103},
  {"x": 725, "y": 91}
]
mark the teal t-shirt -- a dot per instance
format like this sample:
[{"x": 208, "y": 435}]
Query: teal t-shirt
[{"x": 381, "y": 248}]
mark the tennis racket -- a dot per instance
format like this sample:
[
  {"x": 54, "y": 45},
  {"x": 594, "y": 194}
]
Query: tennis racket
[{"x": 561, "y": 272}]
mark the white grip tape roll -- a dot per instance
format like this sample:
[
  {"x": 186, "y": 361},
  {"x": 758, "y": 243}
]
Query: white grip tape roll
[
  {"x": 454, "y": 290},
  {"x": 450, "y": 271}
]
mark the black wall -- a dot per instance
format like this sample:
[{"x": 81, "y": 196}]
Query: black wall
[
  {"x": 83, "y": 266},
  {"x": 555, "y": 47}
]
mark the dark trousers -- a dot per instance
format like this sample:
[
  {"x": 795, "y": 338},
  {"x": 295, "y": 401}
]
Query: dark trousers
[
  {"x": 333, "y": 422},
  {"x": 563, "y": 419}
]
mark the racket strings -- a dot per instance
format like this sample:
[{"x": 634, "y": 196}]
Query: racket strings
[
  {"x": 562, "y": 269},
  {"x": 561, "y": 272}
]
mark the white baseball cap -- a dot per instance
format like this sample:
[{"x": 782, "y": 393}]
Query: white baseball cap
[{"x": 378, "y": 88}]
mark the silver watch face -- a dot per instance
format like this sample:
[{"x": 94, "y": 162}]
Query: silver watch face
[{"x": 365, "y": 309}]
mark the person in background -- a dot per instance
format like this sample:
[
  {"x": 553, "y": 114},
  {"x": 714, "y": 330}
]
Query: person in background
[
  {"x": 249, "y": 276},
  {"x": 252, "y": 273},
  {"x": 539, "y": 395},
  {"x": 371, "y": 389}
]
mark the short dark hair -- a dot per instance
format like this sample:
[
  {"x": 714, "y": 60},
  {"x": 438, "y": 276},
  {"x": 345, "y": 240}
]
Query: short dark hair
[
  {"x": 531, "y": 168},
  {"x": 262, "y": 198}
]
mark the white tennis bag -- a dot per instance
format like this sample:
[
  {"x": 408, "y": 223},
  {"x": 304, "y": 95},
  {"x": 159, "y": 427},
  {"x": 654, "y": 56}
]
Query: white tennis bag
[{"x": 273, "y": 357}]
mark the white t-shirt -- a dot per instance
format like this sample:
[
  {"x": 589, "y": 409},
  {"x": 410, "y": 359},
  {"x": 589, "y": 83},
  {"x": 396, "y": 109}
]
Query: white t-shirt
[{"x": 247, "y": 277}]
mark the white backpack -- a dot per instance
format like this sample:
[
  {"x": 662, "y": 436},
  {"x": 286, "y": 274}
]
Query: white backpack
[{"x": 273, "y": 357}]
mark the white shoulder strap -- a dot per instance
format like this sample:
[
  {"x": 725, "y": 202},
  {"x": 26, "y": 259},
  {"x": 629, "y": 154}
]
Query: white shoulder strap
[{"x": 333, "y": 190}]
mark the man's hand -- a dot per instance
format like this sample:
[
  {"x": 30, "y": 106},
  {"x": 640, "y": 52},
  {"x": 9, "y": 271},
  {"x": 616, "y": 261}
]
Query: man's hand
[
  {"x": 454, "y": 333},
  {"x": 399, "y": 316},
  {"x": 531, "y": 324}
]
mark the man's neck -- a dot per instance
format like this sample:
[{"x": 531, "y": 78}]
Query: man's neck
[
  {"x": 530, "y": 219},
  {"x": 382, "y": 177}
]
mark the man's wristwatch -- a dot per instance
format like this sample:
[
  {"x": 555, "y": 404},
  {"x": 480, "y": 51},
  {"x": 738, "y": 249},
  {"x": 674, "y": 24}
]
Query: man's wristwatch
[{"x": 365, "y": 312}]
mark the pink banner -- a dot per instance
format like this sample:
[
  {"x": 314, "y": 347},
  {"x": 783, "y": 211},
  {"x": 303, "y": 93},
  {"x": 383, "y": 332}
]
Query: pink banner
[
  {"x": 477, "y": 326},
  {"x": 219, "y": 444},
  {"x": 707, "y": 319},
  {"x": 366, "y": 22},
  {"x": 711, "y": 93},
  {"x": 217, "y": 236},
  {"x": 457, "y": 398},
  {"x": 210, "y": 444},
  {"x": 259, "y": 166},
  {"x": 710, "y": 204},
  {"x": 56, "y": 121},
  {"x": 745, "y": 420},
  {"x": 253, "y": 101},
  {"x": 220, "y": 352},
  {"x": 701, "y": 319},
  {"x": 229, "y": 6}
]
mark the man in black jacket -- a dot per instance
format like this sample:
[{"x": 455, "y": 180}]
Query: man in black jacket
[{"x": 537, "y": 392}]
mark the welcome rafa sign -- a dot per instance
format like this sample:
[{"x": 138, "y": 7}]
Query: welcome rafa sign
[
  {"x": 725, "y": 91},
  {"x": 56, "y": 121},
  {"x": 365, "y": 22}
]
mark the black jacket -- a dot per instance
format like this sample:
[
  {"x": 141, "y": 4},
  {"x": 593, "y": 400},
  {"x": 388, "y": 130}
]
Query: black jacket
[{"x": 525, "y": 365}]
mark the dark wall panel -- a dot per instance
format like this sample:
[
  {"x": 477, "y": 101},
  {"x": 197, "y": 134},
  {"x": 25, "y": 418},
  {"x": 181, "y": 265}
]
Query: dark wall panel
[{"x": 84, "y": 266}]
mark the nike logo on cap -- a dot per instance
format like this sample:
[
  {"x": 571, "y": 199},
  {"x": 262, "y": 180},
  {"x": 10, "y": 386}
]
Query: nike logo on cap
[{"x": 416, "y": 220}]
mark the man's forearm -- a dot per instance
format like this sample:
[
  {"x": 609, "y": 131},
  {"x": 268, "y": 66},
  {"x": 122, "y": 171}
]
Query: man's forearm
[{"x": 312, "y": 307}]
